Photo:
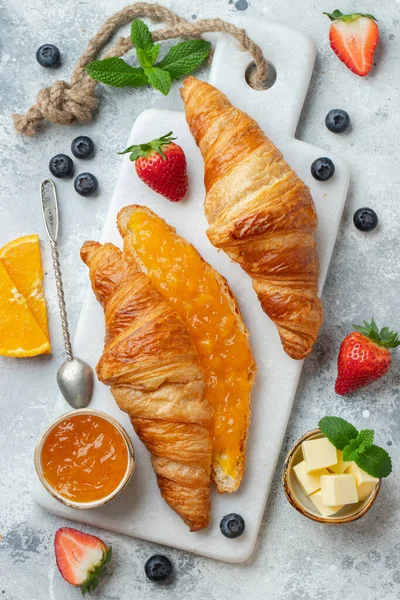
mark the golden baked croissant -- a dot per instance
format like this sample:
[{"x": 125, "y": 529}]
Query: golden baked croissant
[
  {"x": 259, "y": 212},
  {"x": 154, "y": 372},
  {"x": 203, "y": 298}
]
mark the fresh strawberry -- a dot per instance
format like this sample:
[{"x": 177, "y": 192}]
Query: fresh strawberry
[
  {"x": 354, "y": 38},
  {"x": 364, "y": 357},
  {"x": 161, "y": 164},
  {"x": 81, "y": 558}
]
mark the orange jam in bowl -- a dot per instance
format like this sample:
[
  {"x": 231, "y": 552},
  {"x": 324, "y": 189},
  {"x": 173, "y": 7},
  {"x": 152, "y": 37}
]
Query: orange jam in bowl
[{"x": 84, "y": 458}]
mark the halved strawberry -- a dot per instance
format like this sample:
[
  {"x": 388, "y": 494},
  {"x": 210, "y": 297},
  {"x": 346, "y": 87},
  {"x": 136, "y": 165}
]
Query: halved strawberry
[
  {"x": 81, "y": 558},
  {"x": 354, "y": 38}
]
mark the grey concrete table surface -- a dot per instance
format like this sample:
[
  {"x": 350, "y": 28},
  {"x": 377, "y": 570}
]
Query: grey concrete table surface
[{"x": 295, "y": 559}]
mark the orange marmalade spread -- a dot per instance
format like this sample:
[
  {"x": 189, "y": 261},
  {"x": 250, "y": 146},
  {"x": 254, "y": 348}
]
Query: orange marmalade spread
[
  {"x": 84, "y": 458},
  {"x": 178, "y": 271}
]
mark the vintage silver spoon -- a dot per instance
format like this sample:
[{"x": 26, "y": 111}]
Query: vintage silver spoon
[{"x": 74, "y": 377}]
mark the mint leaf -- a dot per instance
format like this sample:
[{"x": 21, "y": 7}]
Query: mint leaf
[
  {"x": 140, "y": 35},
  {"x": 116, "y": 72},
  {"x": 375, "y": 461},
  {"x": 148, "y": 57},
  {"x": 365, "y": 438},
  {"x": 358, "y": 445},
  {"x": 350, "y": 454},
  {"x": 338, "y": 431},
  {"x": 159, "y": 79},
  {"x": 184, "y": 57},
  {"x": 351, "y": 450}
]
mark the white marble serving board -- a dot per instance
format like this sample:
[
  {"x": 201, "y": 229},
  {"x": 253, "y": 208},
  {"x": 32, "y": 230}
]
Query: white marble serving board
[{"x": 139, "y": 511}]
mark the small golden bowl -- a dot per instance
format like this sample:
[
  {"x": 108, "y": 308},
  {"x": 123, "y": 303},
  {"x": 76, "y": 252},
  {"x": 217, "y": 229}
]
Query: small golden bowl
[
  {"x": 298, "y": 499},
  {"x": 101, "y": 501}
]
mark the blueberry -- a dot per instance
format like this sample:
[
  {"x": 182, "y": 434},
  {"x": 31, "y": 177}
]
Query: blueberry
[
  {"x": 337, "y": 120},
  {"x": 82, "y": 147},
  {"x": 232, "y": 525},
  {"x": 86, "y": 184},
  {"x": 61, "y": 165},
  {"x": 322, "y": 169},
  {"x": 158, "y": 568},
  {"x": 48, "y": 56},
  {"x": 365, "y": 219}
]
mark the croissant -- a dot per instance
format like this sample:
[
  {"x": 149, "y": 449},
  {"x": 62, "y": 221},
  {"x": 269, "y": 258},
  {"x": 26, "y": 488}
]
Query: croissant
[
  {"x": 154, "y": 372},
  {"x": 204, "y": 300},
  {"x": 259, "y": 212}
]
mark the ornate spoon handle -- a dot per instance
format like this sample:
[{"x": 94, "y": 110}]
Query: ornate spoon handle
[{"x": 50, "y": 216}]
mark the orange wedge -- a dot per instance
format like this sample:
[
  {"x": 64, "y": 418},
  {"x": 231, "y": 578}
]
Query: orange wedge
[
  {"x": 20, "y": 333},
  {"x": 22, "y": 261}
]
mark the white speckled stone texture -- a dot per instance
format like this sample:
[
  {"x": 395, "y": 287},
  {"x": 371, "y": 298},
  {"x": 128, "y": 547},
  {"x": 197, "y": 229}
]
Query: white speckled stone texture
[{"x": 295, "y": 559}]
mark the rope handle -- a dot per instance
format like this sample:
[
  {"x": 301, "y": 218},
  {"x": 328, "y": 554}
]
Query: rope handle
[{"x": 75, "y": 102}]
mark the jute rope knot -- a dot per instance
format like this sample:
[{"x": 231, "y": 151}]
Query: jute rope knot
[
  {"x": 75, "y": 102},
  {"x": 61, "y": 103}
]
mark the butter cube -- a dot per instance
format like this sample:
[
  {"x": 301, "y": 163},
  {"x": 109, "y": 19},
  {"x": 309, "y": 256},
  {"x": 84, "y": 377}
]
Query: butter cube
[
  {"x": 341, "y": 464},
  {"x": 326, "y": 511},
  {"x": 310, "y": 482},
  {"x": 339, "y": 489},
  {"x": 365, "y": 482},
  {"x": 319, "y": 454}
]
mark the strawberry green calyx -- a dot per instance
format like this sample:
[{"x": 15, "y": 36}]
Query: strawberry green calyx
[
  {"x": 93, "y": 578},
  {"x": 384, "y": 337},
  {"x": 337, "y": 15},
  {"x": 143, "y": 150}
]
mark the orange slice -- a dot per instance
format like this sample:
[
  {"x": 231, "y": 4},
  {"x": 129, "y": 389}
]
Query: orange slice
[
  {"x": 20, "y": 334},
  {"x": 22, "y": 261}
]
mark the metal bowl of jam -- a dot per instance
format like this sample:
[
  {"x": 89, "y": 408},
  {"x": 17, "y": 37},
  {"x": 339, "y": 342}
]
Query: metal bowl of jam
[{"x": 84, "y": 458}]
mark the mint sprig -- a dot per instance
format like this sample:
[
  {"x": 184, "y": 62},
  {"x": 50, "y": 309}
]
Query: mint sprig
[
  {"x": 357, "y": 446},
  {"x": 338, "y": 431},
  {"x": 180, "y": 60}
]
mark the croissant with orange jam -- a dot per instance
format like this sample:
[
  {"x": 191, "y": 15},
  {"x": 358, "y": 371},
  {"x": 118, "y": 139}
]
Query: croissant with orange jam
[
  {"x": 155, "y": 374},
  {"x": 203, "y": 298}
]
